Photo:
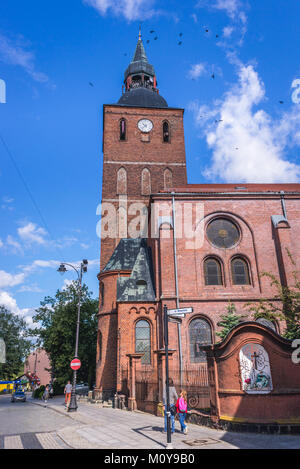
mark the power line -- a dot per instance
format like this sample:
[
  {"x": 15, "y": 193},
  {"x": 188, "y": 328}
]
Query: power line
[{"x": 25, "y": 184}]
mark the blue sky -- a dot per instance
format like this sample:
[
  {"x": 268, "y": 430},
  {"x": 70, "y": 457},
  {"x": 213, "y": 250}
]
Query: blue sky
[{"x": 62, "y": 60}]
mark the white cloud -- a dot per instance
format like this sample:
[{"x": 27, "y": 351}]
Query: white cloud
[
  {"x": 10, "y": 303},
  {"x": 30, "y": 288},
  {"x": 203, "y": 69},
  {"x": 31, "y": 234},
  {"x": 197, "y": 70},
  {"x": 9, "y": 280},
  {"x": 14, "y": 245},
  {"x": 14, "y": 53},
  {"x": 230, "y": 6},
  {"x": 227, "y": 31},
  {"x": 1, "y": 243},
  {"x": 247, "y": 144},
  {"x": 130, "y": 9}
]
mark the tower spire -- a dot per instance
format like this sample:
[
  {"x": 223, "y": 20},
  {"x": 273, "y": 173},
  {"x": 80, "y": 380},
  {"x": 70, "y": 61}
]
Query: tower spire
[{"x": 140, "y": 79}]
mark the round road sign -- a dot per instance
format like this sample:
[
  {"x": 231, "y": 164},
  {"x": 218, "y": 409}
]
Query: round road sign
[{"x": 75, "y": 364}]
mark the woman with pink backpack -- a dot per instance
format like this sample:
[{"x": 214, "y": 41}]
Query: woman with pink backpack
[{"x": 181, "y": 407}]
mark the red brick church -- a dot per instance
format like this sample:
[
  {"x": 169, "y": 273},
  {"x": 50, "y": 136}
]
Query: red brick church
[{"x": 167, "y": 242}]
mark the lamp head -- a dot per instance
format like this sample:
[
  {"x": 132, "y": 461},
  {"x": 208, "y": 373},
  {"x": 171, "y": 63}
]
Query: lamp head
[{"x": 62, "y": 269}]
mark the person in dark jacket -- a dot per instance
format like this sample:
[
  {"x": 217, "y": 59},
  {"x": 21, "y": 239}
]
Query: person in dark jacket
[{"x": 173, "y": 399}]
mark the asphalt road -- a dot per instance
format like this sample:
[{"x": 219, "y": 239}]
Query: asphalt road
[{"x": 28, "y": 426}]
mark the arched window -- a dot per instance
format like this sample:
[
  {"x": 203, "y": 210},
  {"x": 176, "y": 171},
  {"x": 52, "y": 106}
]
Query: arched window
[
  {"x": 142, "y": 341},
  {"x": 212, "y": 272},
  {"x": 200, "y": 334},
  {"x": 99, "y": 346},
  {"x": 168, "y": 178},
  {"x": 123, "y": 129},
  {"x": 268, "y": 323},
  {"x": 166, "y": 132},
  {"x": 122, "y": 181},
  {"x": 240, "y": 272},
  {"x": 101, "y": 293},
  {"x": 146, "y": 182}
]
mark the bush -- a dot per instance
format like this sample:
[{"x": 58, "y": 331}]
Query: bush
[
  {"x": 38, "y": 393},
  {"x": 58, "y": 389}
]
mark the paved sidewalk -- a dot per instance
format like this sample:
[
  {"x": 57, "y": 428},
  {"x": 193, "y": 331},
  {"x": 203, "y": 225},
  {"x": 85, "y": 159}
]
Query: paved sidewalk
[{"x": 105, "y": 428}]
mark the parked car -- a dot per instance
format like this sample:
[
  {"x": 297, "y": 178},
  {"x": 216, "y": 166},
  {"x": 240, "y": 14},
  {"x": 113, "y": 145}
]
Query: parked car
[
  {"x": 82, "y": 388},
  {"x": 18, "y": 394}
]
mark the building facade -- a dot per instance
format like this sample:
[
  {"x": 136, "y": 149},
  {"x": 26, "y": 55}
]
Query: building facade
[
  {"x": 38, "y": 364},
  {"x": 166, "y": 242}
]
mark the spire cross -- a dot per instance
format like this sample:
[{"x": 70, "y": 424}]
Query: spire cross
[{"x": 140, "y": 32}]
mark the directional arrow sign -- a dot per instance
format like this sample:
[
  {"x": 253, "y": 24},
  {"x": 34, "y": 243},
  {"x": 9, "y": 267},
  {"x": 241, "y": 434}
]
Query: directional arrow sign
[{"x": 180, "y": 311}]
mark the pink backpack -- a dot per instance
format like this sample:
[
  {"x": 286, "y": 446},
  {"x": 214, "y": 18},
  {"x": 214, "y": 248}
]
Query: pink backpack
[{"x": 182, "y": 405}]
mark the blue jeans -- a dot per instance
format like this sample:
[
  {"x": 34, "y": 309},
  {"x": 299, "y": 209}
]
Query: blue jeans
[
  {"x": 172, "y": 419},
  {"x": 182, "y": 416}
]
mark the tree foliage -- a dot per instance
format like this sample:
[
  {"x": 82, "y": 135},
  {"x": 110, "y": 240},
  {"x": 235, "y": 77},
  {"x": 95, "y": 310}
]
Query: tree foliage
[
  {"x": 229, "y": 320},
  {"x": 15, "y": 332},
  {"x": 57, "y": 318},
  {"x": 285, "y": 306}
]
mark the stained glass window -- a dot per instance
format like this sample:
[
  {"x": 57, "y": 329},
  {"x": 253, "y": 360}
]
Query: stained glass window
[
  {"x": 240, "y": 273},
  {"x": 222, "y": 233},
  {"x": 142, "y": 341},
  {"x": 212, "y": 272},
  {"x": 200, "y": 334}
]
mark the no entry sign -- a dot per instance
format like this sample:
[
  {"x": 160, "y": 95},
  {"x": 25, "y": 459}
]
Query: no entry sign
[{"x": 75, "y": 364}]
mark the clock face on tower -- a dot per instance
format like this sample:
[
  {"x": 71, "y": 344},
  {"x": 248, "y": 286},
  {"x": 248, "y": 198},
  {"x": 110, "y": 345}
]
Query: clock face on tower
[{"x": 145, "y": 125}]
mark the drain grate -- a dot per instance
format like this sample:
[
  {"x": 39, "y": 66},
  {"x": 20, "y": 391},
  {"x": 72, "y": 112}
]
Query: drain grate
[{"x": 202, "y": 442}]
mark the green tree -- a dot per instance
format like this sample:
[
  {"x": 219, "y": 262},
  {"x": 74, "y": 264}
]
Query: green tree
[
  {"x": 15, "y": 332},
  {"x": 229, "y": 320},
  {"x": 57, "y": 318},
  {"x": 284, "y": 307}
]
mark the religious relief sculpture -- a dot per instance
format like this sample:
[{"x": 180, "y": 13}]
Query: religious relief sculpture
[
  {"x": 2, "y": 351},
  {"x": 255, "y": 369}
]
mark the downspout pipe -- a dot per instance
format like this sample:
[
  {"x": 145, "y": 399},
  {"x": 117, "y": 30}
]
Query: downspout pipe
[{"x": 176, "y": 285}]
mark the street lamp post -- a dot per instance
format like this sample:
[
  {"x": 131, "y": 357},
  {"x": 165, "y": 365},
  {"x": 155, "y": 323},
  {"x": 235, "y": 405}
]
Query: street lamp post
[{"x": 62, "y": 269}]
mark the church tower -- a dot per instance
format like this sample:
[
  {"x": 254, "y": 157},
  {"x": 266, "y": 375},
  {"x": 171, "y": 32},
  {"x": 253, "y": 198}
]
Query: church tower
[
  {"x": 143, "y": 153},
  {"x": 143, "y": 143}
]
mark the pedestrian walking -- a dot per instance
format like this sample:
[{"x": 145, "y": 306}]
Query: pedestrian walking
[
  {"x": 46, "y": 395},
  {"x": 51, "y": 391},
  {"x": 181, "y": 407},
  {"x": 67, "y": 392},
  {"x": 173, "y": 399}
]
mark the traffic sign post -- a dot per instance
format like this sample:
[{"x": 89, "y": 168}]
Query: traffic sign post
[{"x": 166, "y": 337}]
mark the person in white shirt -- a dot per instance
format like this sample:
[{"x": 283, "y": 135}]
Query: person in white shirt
[{"x": 67, "y": 392}]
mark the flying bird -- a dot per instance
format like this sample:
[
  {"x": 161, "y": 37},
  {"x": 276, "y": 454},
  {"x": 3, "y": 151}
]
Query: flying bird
[
  {"x": 179, "y": 43},
  {"x": 155, "y": 38},
  {"x": 217, "y": 35},
  {"x": 148, "y": 40},
  {"x": 152, "y": 31},
  {"x": 180, "y": 34},
  {"x": 213, "y": 76},
  {"x": 91, "y": 84},
  {"x": 281, "y": 102}
]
